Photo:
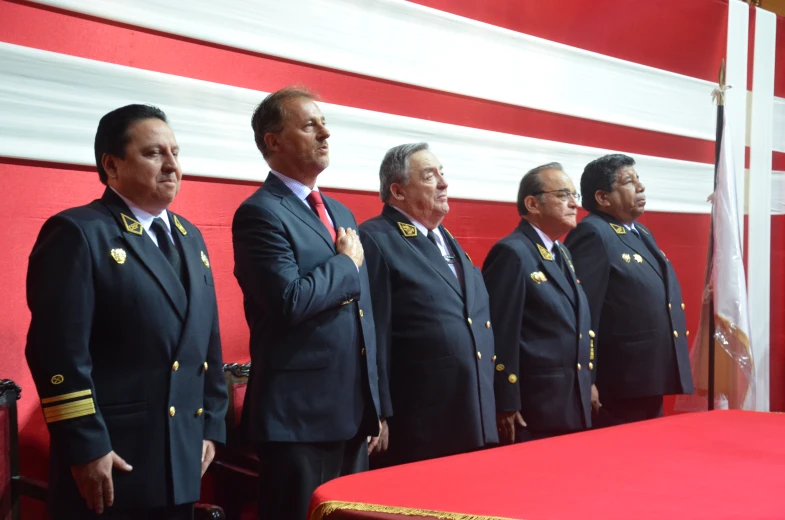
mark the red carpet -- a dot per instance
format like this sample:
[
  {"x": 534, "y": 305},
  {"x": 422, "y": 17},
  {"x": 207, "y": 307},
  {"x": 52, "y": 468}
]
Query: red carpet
[{"x": 715, "y": 465}]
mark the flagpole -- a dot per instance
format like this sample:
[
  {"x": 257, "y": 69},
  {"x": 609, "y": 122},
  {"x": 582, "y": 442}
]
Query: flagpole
[{"x": 717, "y": 147}]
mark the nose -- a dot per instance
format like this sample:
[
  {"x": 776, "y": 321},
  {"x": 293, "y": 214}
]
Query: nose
[
  {"x": 442, "y": 184},
  {"x": 324, "y": 133},
  {"x": 640, "y": 188},
  {"x": 171, "y": 163},
  {"x": 572, "y": 202}
]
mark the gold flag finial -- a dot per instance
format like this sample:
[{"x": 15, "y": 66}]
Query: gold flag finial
[{"x": 719, "y": 93}]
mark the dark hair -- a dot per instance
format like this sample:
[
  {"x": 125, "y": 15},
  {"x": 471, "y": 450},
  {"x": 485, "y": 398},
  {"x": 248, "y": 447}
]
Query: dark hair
[
  {"x": 395, "y": 167},
  {"x": 112, "y": 135},
  {"x": 600, "y": 175},
  {"x": 531, "y": 184},
  {"x": 268, "y": 116}
]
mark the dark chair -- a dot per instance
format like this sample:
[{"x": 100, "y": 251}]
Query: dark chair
[
  {"x": 13, "y": 486},
  {"x": 236, "y": 466}
]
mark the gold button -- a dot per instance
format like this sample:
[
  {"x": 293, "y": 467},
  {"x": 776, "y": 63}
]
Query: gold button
[
  {"x": 479, "y": 355},
  {"x": 669, "y": 306},
  {"x": 580, "y": 336},
  {"x": 199, "y": 412},
  {"x": 513, "y": 378},
  {"x": 362, "y": 352},
  {"x": 682, "y": 306},
  {"x": 493, "y": 359},
  {"x": 171, "y": 411},
  {"x": 687, "y": 333},
  {"x": 591, "y": 366},
  {"x": 469, "y": 320},
  {"x": 500, "y": 367},
  {"x": 591, "y": 333},
  {"x": 675, "y": 334},
  {"x": 175, "y": 366},
  {"x": 205, "y": 366},
  {"x": 579, "y": 366},
  {"x": 361, "y": 313},
  {"x": 487, "y": 324}
]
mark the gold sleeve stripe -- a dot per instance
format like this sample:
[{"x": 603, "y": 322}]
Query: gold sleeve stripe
[
  {"x": 63, "y": 397},
  {"x": 60, "y": 411},
  {"x": 72, "y": 415}
]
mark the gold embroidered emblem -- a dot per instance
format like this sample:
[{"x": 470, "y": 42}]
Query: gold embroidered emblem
[
  {"x": 57, "y": 379},
  {"x": 205, "y": 261},
  {"x": 618, "y": 229},
  {"x": 626, "y": 257},
  {"x": 544, "y": 253},
  {"x": 538, "y": 277},
  {"x": 638, "y": 258},
  {"x": 131, "y": 225},
  {"x": 407, "y": 230},
  {"x": 118, "y": 255},
  {"x": 179, "y": 226}
]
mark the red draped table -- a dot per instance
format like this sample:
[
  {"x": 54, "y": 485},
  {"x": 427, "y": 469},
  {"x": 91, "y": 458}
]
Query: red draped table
[{"x": 713, "y": 465}]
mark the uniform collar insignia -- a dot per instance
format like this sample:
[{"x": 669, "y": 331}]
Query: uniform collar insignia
[
  {"x": 618, "y": 229},
  {"x": 546, "y": 255},
  {"x": 407, "y": 230},
  {"x": 179, "y": 226},
  {"x": 131, "y": 225},
  {"x": 448, "y": 232}
]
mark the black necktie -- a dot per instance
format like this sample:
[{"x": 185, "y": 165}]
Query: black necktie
[
  {"x": 432, "y": 238},
  {"x": 166, "y": 246},
  {"x": 559, "y": 259},
  {"x": 635, "y": 232}
]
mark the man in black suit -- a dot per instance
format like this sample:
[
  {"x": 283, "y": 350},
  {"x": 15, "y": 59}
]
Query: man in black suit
[
  {"x": 544, "y": 345},
  {"x": 123, "y": 344},
  {"x": 435, "y": 344},
  {"x": 634, "y": 296},
  {"x": 312, "y": 394}
]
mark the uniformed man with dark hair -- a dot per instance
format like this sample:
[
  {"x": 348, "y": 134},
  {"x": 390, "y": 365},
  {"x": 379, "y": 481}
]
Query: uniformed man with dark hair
[
  {"x": 634, "y": 296},
  {"x": 433, "y": 329},
  {"x": 124, "y": 344},
  {"x": 544, "y": 343}
]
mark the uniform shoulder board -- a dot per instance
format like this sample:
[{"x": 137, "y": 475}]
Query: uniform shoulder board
[
  {"x": 618, "y": 229},
  {"x": 407, "y": 230}
]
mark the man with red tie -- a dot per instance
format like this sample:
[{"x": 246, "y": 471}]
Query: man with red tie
[{"x": 312, "y": 401}]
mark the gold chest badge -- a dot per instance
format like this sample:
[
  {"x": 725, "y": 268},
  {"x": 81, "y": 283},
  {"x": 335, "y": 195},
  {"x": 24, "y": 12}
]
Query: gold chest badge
[
  {"x": 118, "y": 255},
  {"x": 205, "y": 260}
]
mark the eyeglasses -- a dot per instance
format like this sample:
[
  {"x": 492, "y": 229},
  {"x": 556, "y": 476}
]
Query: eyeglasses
[{"x": 563, "y": 195}]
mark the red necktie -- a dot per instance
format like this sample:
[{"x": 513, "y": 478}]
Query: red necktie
[{"x": 316, "y": 202}]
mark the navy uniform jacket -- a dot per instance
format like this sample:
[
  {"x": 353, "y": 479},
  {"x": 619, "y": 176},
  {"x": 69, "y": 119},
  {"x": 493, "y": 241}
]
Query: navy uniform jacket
[
  {"x": 636, "y": 309},
  {"x": 435, "y": 343},
  {"x": 123, "y": 356},
  {"x": 542, "y": 334},
  {"x": 313, "y": 346}
]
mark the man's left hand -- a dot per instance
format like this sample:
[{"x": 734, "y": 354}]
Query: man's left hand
[
  {"x": 379, "y": 444},
  {"x": 595, "y": 398},
  {"x": 208, "y": 454}
]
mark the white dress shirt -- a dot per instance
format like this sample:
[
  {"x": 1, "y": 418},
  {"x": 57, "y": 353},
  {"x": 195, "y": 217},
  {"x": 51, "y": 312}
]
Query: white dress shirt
[{"x": 146, "y": 219}]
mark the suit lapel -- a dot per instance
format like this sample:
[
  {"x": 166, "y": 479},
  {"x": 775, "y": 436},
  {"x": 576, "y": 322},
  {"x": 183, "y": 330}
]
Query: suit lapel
[
  {"x": 466, "y": 266},
  {"x": 134, "y": 235},
  {"x": 555, "y": 272},
  {"x": 195, "y": 261},
  {"x": 572, "y": 278},
  {"x": 422, "y": 246},
  {"x": 654, "y": 251},
  {"x": 297, "y": 207}
]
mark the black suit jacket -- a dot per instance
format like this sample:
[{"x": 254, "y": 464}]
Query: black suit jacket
[
  {"x": 636, "y": 309},
  {"x": 542, "y": 332},
  {"x": 435, "y": 343},
  {"x": 313, "y": 346},
  {"x": 124, "y": 357}
]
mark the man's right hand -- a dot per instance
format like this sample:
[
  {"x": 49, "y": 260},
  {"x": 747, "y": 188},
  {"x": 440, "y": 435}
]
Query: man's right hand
[
  {"x": 347, "y": 242},
  {"x": 94, "y": 480},
  {"x": 505, "y": 423}
]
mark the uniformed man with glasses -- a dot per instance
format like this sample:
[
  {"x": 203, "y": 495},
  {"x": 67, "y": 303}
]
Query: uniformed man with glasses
[{"x": 543, "y": 337}]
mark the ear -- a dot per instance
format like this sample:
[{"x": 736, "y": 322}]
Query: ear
[
  {"x": 272, "y": 142},
  {"x": 396, "y": 191},
  {"x": 532, "y": 204},
  {"x": 109, "y": 162},
  {"x": 602, "y": 198}
]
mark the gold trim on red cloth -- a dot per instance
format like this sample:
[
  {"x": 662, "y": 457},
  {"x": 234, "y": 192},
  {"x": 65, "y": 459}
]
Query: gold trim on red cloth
[{"x": 331, "y": 506}]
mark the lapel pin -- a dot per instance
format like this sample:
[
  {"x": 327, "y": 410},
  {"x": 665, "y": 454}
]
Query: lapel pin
[
  {"x": 205, "y": 261},
  {"x": 626, "y": 257},
  {"x": 118, "y": 255},
  {"x": 638, "y": 258}
]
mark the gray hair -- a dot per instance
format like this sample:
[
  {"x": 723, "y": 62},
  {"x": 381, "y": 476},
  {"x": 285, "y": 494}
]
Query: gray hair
[
  {"x": 395, "y": 167},
  {"x": 531, "y": 184}
]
